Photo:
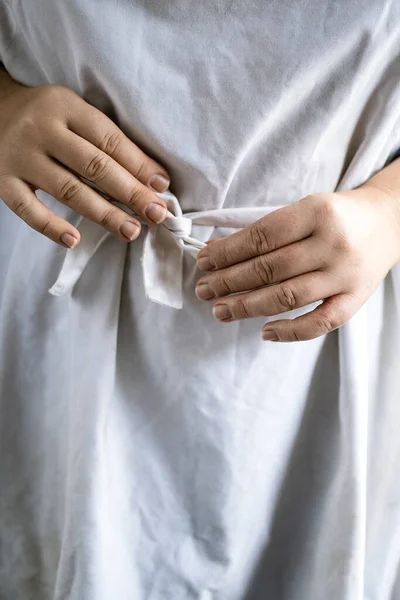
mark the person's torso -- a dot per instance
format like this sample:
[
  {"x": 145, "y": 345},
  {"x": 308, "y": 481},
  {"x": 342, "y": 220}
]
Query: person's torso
[{"x": 246, "y": 104}]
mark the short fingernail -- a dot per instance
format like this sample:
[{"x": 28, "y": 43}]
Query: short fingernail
[
  {"x": 156, "y": 213},
  {"x": 129, "y": 230},
  {"x": 68, "y": 240},
  {"x": 204, "y": 292},
  {"x": 159, "y": 183},
  {"x": 269, "y": 335},
  {"x": 222, "y": 312},
  {"x": 204, "y": 262}
]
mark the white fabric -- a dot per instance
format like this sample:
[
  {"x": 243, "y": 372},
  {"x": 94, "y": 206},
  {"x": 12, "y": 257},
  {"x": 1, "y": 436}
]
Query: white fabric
[
  {"x": 162, "y": 259},
  {"x": 148, "y": 453}
]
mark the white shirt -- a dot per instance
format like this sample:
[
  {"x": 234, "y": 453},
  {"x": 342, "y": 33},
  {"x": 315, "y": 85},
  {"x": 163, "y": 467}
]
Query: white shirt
[{"x": 148, "y": 452}]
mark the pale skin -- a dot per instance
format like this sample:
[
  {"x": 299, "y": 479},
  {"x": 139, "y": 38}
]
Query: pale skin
[
  {"x": 48, "y": 137},
  {"x": 334, "y": 247}
]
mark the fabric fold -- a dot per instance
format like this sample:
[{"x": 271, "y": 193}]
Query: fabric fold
[{"x": 163, "y": 248}]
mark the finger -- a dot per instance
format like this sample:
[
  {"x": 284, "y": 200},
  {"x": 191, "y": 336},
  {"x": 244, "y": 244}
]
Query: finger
[
  {"x": 68, "y": 189},
  {"x": 280, "y": 228},
  {"x": 88, "y": 161},
  {"x": 20, "y": 198},
  {"x": 98, "y": 129},
  {"x": 279, "y": 265},
  {"x": 279, "y": 298},
  {"x": 327, "y": 317}
]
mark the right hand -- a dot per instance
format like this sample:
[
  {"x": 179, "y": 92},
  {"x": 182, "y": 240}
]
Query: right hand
[{"x": 48, "y": 136}]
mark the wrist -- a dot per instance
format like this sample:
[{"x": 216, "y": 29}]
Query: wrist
[{"x": 386, "y": 199}]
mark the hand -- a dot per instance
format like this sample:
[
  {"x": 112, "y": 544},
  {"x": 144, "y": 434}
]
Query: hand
[
  {"x": 334, "y": 247},
  {"x": 49, "y": 136}
]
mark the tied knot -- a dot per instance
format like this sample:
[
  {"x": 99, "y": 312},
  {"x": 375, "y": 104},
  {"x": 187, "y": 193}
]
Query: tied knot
[
  {"x": 179, "y": 226},
  {"x": 163, "y": 248}
]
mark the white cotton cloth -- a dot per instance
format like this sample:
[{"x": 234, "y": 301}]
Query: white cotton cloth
[
  {"x": 148, "y": 452},
  {"x": 163, "y": 248}
]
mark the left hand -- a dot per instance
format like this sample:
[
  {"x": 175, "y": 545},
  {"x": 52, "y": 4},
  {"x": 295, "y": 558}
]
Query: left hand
[{"x": 334, "y": 247}]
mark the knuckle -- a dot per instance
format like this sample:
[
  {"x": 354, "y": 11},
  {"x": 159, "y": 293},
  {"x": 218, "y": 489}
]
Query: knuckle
[
  {"x": 55, "y": 90},
  {"x": 107, "y": 218},
  {"x": 140, "y": 168},
  {"x": 330, "y": 212},
  {"x": 97, "y": 167},
  {"x": 53, "y": 95},
  {"x": 295, "y": 336},
  {"x": 46, "y": 227},
  {"x": 327, "y": 322},
  {"x": 221, "y": 285},
  {"x": 263, "y": 270},
  {"x": 135, "y": 197},
  {"x": 28, "y": 127},
  {"x": 342, "y": 244},
  {"x": 43, "y": 107},
  {"x": 110, "y": 142},
  {"x": 219, "y": 254},
  {"x": 315, "y": 201},
  {"x": 292, "y": 335},
  {"x": 286, "y": 298},
  {"x": 258, "y": 239},
  {"x": 22, "y": 209},
  {"x": 240, "y": 309},
  {"x": 68, "y": 190},
  {"x": 324, "y": 204}
]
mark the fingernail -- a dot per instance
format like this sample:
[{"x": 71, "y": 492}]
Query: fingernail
[
  {"x": 159, "y": 183},
  {"x": 68, "y": 240},
  {"x": 204, "y": 262},
  {"x": 156, "y": 213},
  {"x": 129, "y": 230},
  {"x": 204, "y": 292},
  {"x": 222, "y": 312},
  {"x": 269, "y": 335}
]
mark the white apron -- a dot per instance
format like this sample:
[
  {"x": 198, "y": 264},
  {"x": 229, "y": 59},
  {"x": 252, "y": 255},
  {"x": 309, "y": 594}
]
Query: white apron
[{"x": 148, "y": 452}]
